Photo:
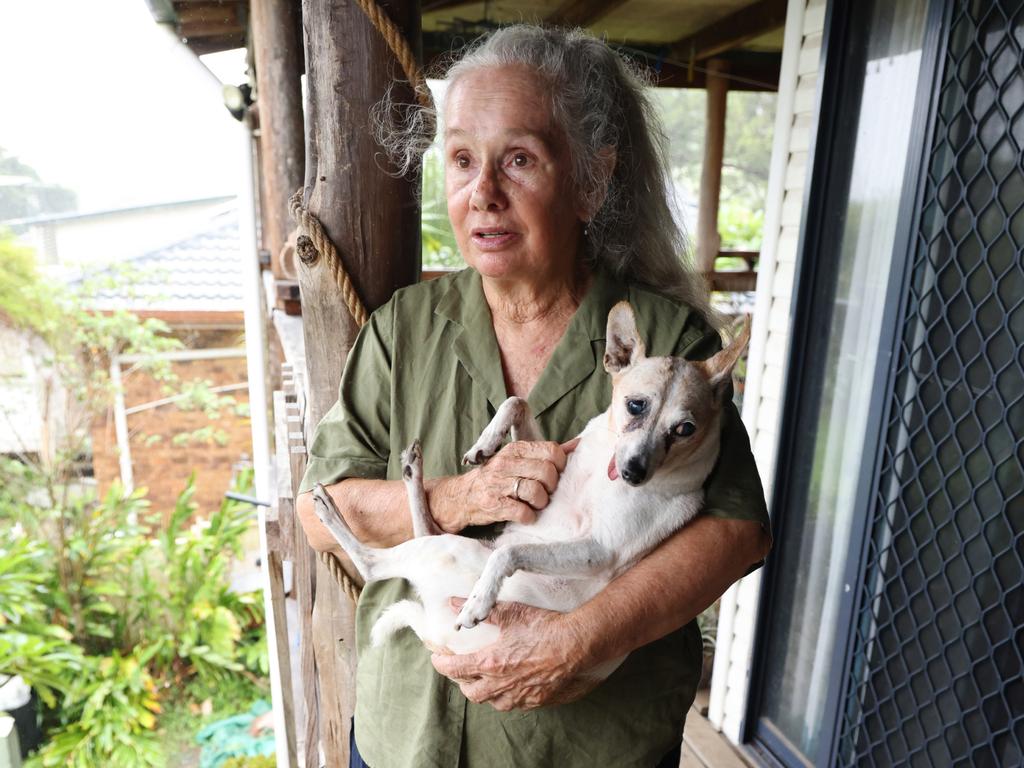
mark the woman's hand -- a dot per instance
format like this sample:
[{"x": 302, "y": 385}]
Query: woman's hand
[
  {"x": 535, "y": 662},
  {"x": 512, "y": 486}
]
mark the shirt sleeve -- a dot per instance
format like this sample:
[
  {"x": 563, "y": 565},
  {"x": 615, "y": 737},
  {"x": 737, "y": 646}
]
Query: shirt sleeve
[
  {"x": 733, "y": 489},
  {"x": 352, "y": 439}
]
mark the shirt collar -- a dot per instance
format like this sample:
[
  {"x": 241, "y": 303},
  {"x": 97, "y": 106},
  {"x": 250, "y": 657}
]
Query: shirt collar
[{"x": 573, "y": 360}]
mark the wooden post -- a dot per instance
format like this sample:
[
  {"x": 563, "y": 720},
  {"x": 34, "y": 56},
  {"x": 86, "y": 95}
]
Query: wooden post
[
  {"x": 373, "y": 220},
  {"x": 277, "y": 50},
  {"x": 708, "y": 240}
]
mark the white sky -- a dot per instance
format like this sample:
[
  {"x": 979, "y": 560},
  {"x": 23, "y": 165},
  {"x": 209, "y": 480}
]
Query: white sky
[{"x": 97, "y": 97}]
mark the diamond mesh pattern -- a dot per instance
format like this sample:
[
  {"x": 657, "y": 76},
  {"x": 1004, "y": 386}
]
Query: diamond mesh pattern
[{"x": 938, "y": 672}]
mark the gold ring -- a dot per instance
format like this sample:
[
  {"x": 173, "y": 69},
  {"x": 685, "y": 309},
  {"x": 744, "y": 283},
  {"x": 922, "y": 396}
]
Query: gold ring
[{"x": 515, "y": 489}]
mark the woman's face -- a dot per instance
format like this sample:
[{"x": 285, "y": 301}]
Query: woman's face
[{"x": 508, "y": 178}]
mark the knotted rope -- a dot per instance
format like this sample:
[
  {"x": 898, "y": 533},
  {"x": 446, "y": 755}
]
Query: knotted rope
[
  {"x": 315, "y": 242},
  {"x": 317, "y": 239}
]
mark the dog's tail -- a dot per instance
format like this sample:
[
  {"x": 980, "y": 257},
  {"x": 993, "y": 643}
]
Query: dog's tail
[{"x": 404, "y": 613}]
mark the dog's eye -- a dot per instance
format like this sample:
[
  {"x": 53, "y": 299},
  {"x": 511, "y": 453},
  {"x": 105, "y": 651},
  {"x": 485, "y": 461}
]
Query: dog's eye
[
  {"x": 636, "y": 407},
  {"x": 685, "y": 429}
]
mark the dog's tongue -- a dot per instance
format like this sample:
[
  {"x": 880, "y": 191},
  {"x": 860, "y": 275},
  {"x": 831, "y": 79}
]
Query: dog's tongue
[{"x": 613, "y": 472}]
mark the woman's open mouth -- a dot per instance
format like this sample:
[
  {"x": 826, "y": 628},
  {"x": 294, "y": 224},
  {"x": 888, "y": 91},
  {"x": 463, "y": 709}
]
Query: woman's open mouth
[{"x": 492, "y": 239}]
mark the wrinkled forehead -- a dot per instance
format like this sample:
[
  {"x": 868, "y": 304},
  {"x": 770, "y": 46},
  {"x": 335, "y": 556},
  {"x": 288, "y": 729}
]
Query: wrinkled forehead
[{"x": 506, "y": 98}]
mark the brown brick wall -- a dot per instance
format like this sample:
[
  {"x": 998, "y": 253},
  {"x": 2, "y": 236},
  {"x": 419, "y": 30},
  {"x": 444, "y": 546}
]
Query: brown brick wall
[{"x": 159, "y": 464}]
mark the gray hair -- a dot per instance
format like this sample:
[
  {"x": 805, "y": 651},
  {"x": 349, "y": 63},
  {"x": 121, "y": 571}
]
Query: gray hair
[{"x": 597, "y": 99}]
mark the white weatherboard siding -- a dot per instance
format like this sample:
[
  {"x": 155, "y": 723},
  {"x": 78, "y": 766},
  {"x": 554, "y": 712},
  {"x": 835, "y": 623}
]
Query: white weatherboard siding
[{"x": 794, "y": 123}]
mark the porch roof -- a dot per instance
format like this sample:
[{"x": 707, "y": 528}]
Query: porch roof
[{"x": 672, "y": 36}]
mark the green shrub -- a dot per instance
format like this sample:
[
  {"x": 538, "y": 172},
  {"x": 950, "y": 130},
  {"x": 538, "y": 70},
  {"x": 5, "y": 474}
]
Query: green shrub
[{"x": 102, "y": 607}]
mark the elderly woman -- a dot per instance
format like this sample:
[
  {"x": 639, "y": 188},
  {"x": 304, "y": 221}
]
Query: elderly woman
[{"x": 556, "y": 190}]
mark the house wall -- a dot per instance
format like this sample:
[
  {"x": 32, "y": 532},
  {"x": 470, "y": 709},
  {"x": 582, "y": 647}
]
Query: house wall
[
  {"x": 157, "y": 462},
  {"x": 32, "y": 405},
  {"x": 72, "y": 241},
  {"x": 795, "y": 118}
]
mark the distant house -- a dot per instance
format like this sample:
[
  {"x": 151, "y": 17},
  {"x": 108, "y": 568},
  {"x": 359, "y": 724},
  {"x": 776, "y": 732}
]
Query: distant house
[
  {"x": 69, "y": 241},
  {"x": 195, "y": 286}
]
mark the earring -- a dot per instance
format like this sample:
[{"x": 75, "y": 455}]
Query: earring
[{"x": 586, "y": 228}]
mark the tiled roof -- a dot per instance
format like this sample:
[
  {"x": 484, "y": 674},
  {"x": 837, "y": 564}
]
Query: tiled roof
[{"x": 201, "y": 273}]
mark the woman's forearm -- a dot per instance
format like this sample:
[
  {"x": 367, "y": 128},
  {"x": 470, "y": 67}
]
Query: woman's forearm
[
  {"x": 668, "y": 588},
  {"x": 377, "y": 511}
]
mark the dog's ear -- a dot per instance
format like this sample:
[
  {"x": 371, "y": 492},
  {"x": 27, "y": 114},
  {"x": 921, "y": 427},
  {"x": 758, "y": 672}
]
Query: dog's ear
[
  {"x": 622, "y": 346},
  {"x": 719, "y": 368}
]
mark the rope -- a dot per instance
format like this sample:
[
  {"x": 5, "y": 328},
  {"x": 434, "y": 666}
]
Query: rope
[
  {"x": 400, "y": 48},
  {"x": 324, "y": 247},
  {"x": 340, "y": 575},
  {"x": 322, "y": 243}
]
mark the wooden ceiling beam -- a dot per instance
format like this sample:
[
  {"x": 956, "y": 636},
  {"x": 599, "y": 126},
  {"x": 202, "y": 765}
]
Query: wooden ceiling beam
[
  {"x": 732, "y": 31},
  {"x": 429, "y": 6},
  {"x": 210, "y": 28},
  {"x": 582, "y": 13},
  {"x": 207, "y": 10},
  {"x": 203, "y": 45}
]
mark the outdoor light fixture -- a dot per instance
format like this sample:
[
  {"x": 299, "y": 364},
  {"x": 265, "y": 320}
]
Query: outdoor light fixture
[{"x": 236, "y": 99}]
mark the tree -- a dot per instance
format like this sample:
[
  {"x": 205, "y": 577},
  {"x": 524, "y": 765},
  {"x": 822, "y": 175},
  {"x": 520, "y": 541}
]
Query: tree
[
  {"x": 749, "y": 125},
  {"x": 106, "y": 604},
  {"x": 23, "y": 194}
]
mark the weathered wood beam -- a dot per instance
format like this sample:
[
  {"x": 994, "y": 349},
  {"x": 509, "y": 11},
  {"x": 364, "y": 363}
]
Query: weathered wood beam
[
  {"x": 443, "y": 5},
  {"x": 210, "y": 28},
  {"x": 276, "y": 46},
  {"x": 203, "y": 45},
  {"x": 732, "y": 282},
  {"x": 748, "y": 70},
  {"x": 582, "y": 13},
  {"x": 373, "y": 220},
  {"x": 708, "y": 239},
  {"x": 371, "y": 217},
  {"x": 207, "y": 11},
  {"x": 732, "y": 31}
]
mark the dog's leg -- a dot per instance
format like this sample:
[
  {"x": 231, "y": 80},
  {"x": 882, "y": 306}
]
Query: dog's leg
[
  {"x": 561, "y": 558},
  {"x": 412, "y": 474},
  {"x": 512, "y": 416},
  {"x": 363, "y": 557}
]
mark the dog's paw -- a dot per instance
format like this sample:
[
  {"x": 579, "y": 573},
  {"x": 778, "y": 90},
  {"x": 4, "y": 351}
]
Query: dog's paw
[
  {"x": 482, "y": 449},
  {"x": 474, "y": 457},
  {"x": 412, "y": 461},
  {"x": 476, "y": 609}
]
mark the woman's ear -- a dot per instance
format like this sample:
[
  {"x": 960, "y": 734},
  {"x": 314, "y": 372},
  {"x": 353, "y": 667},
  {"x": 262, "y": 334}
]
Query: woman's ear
[{"x": 591, "y": 204}]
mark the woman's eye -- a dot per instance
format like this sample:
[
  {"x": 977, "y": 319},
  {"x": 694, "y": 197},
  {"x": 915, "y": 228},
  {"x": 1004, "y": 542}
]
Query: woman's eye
[
  {"x": 519, "y": 160},
  {"x": 636, "y": 407},
  {"x": 461, "y": 161},
  {"x": 685, "y": 429}
]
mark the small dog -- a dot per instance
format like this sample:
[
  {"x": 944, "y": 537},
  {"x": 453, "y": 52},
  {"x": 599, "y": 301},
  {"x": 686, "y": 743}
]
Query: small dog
[{"x": 660, "y": 436}]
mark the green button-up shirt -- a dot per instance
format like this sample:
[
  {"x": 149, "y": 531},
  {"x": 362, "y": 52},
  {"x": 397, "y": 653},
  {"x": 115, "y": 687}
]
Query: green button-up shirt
[{"x": 427, "y": 365}]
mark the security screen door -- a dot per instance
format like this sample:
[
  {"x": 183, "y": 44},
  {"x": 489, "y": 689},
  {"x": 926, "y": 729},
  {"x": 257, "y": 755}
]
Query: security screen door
[{"x": 893, "y": 619}]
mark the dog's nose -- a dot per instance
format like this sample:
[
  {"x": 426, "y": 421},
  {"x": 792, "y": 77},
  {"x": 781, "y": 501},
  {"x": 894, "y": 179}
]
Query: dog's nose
[{"x": 635, "y": 471}]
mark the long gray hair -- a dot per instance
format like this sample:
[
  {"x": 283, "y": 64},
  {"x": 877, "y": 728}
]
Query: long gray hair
[{"x": 597, "y": 99}]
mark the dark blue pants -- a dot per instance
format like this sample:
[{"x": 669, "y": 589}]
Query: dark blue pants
[{"x": 355, "y": 760}]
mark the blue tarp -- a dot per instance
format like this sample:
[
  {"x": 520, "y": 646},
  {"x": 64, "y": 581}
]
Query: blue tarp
[{"x": 230, "y": 737}]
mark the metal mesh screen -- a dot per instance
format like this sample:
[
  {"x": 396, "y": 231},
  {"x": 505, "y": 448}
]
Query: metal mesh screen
[{"x": 938, "y": 674}]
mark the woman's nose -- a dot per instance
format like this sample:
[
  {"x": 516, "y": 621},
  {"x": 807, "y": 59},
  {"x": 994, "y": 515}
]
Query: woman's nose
[{"x": 487, "y": 193}]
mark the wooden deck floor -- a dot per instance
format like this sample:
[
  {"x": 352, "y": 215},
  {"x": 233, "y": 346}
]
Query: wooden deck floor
[{"x": 703, "y": 746}]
